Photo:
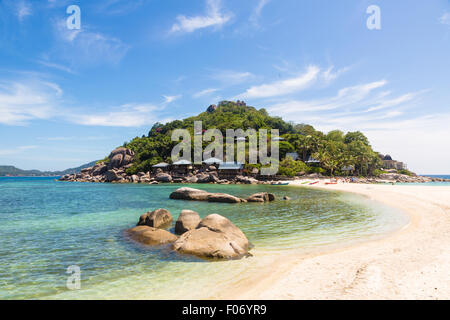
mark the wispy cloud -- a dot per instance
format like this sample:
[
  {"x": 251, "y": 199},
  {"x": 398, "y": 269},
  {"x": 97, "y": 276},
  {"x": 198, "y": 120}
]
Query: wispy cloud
[
  {"x": 254, "y": 17},
  {"x": 345, "y": 98},
  {"x": 213, "y": 18},
  {"x": 445, "y": 19},
  {"x": 88, "y": 46},
  {"x": 23, "y": 9},
  {"x": 283, "y": 87},
  {"x": 55, "y": 66},
  {"x": 169, "y": 99},
  {"x": 21, "y": 102},
  {"x": 204, "y": 92},
  {"x": 128, "y": 115}
]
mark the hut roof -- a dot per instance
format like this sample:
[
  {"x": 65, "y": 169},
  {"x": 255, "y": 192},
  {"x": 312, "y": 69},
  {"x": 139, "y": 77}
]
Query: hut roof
[
  {"x": 231, "y": 166},
  {"x": 312, "y": 160},
  {"x": 212, "y": 161},
  {"x": 293, "y": 155},
  {"x": 161, "y": 165},
  {"x": 182, "y": 163}
]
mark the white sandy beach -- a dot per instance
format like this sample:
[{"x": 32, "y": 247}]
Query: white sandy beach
[{"x": 412, "y": 263}]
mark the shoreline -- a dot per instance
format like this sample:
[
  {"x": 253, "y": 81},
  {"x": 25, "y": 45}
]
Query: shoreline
[{"x": 410, "y": 263}]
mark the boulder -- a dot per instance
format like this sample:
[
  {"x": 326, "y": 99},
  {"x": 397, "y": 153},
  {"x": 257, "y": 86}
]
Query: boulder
[
  {"x": 223, "y": 198},
  {"x": 190, "y": 194},
  {"x": 188, "y": 220},
  {"x": 151, "y": 236},
  {"x": 246, "y": 180},
  {"x": 120, "y": 157},
  {"x": 261, "y": 197},
  {"x": 159, "y": 218},
  {"x": 286, "y": 198},
  {"x": 111, "y": 176},
  {"x": 192, "y": 179},
  {"x": 135, "y": 178},
  {"x": 163, "y": 177},
  {"x": 99, "y": 169},
  {"x": 214, "y": 237},
  {"x": 203, "y": 178}
]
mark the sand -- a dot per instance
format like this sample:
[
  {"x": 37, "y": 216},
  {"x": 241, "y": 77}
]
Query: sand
[{"x": 411, "y": 263}]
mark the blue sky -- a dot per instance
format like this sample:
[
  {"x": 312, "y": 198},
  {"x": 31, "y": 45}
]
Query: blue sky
[{"x": 68, "y": 97}]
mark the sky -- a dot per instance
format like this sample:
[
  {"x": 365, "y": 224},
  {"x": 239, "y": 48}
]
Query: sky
[{"x": 69, "y": 96}]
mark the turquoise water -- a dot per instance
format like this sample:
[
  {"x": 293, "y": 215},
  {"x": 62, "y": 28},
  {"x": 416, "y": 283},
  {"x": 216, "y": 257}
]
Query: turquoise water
[{"x": 47, "y": 226}]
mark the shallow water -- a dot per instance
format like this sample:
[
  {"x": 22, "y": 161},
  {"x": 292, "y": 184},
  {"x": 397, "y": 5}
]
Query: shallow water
[{"x": 47, "y": 226}]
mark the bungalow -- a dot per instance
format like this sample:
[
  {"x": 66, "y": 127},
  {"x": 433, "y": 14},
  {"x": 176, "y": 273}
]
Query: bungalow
[
  {"x": 293, "y": 155},
  {"x": 162, "y": 165},
  {"x": 348, "y": 169},
  {"x": 389, "y": 163},
  {"x": 227, "y": 169},
  {"x": 212, "y": 161},
  {"x": 312, "y": 162},
  {"x": 182, "y": 167}
]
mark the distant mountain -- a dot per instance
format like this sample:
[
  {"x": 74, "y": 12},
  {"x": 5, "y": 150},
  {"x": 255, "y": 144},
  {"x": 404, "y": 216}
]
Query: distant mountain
[{"x": 16, "y": 172}]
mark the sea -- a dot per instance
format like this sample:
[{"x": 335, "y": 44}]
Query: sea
[{"x": 49, "y": 228}]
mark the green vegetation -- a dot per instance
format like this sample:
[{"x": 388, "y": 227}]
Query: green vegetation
[{"x": 334, "y": 151}]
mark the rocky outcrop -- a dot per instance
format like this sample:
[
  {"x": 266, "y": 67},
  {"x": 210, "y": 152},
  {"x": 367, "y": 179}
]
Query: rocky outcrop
[
  {"x": 151, "y": 236},
  {"x": 163, "y": 177},
  {"x": 120, "y": 157},
  {"x": 190, "y": 194},
  {"x": 246, "y": 180},
  {"x": 223, "y": 198},
  {"x": 261, "y": 197},
  {"x": 159, "y": 218},
  {"x": 215, "y": 237},
  {"x": 201, "y": 195},
  {"x": 188, "y": 220}
]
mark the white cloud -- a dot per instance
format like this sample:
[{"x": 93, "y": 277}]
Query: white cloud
[
  {"x": 22, "y": 102},
  {"x": 345, "y": 98},
  {"x": 128, "y": 115},
  {"x": 254, "y": 18},
  {"x": 87, "y": 46},
  {"x": 56, "y": 66},
  {"x": 23, "y": 10},
  {"x": 230, "y": 77},
  {"x": 213, "y": 18},
  {"x": 445, "y": 19},
  {"x": 204, "y": 92},
  {"x": 283, "y": 87},
  {"x": 169, "y": 99},
  {"x": 329, "y": 75}
]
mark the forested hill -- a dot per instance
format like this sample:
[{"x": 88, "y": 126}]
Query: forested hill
[
  {"x": 16, "y": 172},
  {"x": 334, "y": 150}
]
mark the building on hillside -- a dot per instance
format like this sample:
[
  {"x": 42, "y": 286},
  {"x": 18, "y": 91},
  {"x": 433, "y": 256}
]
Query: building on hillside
[
  {"x": 228, "y": 169},
  {"x": 181, "y": 167},
  {"x": 348, "y": 169},
  {"x": 293, "y": 155},
  {"x": 312, "y": 162},
  {"x": 212, "y": 161},
  {"x": 162, "y": 165},
  {"x": 389, "y": 163}
]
